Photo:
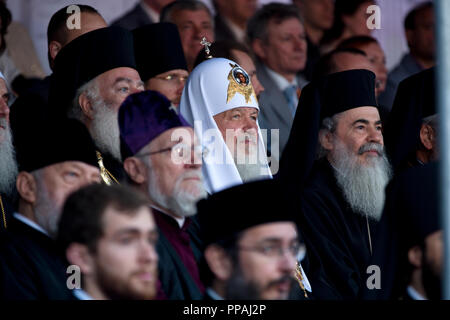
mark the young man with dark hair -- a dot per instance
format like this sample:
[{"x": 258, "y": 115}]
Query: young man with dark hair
[{"x": 110, "y": 234}]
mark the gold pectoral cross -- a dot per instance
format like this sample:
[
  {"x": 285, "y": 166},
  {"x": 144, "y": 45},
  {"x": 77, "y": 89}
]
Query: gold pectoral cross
[
  {"x": 299, "y": 277},
  {"x": 107, "y": 177}
]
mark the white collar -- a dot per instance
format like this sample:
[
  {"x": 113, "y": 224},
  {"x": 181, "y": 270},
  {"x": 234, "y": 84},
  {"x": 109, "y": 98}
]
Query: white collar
[
  {"x": 235, "y": 29},
  {"x": 180, "y": 221},
  {"x": 80, "y": 294},
  {"x": 154, "y": 16},
  {"x": 30, "y": 223},
  {"x": 414, "y": 294},
  {"x": 213, "y": 294},
  {"x": 281, "y": 82}
]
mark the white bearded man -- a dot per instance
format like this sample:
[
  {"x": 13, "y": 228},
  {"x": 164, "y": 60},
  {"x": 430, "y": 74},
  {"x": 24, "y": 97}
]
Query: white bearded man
[
  {"x": 8, "y": 165},
  {"x": 220, "y": 102},
  {"x": 163, "y": 160},
  {"x": 341, "y": 194},
  {"x": 93, "y": 75}
]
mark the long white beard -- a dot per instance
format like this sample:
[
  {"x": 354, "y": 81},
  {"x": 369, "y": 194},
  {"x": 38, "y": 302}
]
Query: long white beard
[
  {"x": 8, "y": 164},
  {"x": 105, "y": 129},
  {"x": 181, "y": 201},
  {"x": 248, "y": 165},
  {"x": 363, "y": 186}
]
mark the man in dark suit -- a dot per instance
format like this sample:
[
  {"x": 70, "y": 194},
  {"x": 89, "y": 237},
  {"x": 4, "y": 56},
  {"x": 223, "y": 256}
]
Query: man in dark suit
[
  {"x": 277, "y": 37},
  {"x": 53, "y": 162},
  {"x": 162, "y": 161},
  {"x": 230, "y": 22},
  {"x": 145, "y": 12}
]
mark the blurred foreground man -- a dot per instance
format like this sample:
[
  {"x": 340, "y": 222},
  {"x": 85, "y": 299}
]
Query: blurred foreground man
[{"x": 110, "y": 234}]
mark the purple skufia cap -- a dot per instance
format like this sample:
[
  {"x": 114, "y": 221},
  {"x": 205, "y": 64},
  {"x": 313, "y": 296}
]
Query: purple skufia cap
[{"x": 143, "y": 116}]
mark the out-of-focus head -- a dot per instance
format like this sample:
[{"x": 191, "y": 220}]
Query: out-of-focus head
[
  {"x": 250, "y": 251},
  {"x": 277, "y": 37},
  {"x": 341, "y": 59},
  {"x": 110, "y": 234},
  {"x": 237, "y": 11},
  {"x": 376, "y": 56},
  {"x": 194, "y": 21},
  {"x": 317, "y": 14},
  {"x": 58, "y": 32},
  {"x": 419, "y": 30}
]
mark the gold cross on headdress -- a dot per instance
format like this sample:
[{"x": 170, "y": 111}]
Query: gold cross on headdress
[{"x": 206, "y": 44}]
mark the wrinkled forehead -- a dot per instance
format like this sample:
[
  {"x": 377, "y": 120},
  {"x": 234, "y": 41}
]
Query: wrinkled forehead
[{"x": 368, "y": 113}]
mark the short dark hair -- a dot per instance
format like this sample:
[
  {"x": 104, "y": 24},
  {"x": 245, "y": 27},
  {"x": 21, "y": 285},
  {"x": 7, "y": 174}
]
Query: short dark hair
[
  {"x": 57, "y": 25},
  {"x": 341, "y": 8},
  {"x": 279, "y": 12},
  {"x": 81, "y": 218},
  {"x": 410, "y": 19},
  {"x": 357, "y": 41},
  {"x": 327, "y": 64},
  {"x": 229, "y": 245},
  {"x": 223, "y": 49},
  {"x": 194, "y": 5}
]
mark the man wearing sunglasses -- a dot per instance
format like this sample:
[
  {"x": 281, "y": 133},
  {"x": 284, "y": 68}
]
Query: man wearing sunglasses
[{"x": 162, "y": 161}]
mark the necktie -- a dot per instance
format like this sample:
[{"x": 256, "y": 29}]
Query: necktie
[{"x": 291, "y": 94}]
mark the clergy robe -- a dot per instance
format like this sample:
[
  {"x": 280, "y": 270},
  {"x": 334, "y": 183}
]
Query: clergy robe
[
  {"x": 31, "y": 267},
  {"x": 336, "y": 237},
  {"x": 179, "y": 251}
]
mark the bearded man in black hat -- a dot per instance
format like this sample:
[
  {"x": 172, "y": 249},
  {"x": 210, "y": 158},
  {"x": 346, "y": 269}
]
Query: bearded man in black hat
[
  {"x": 342, "y": 190},
  {"x": 160, "y": 59},
  {"x": 251, "y": 250},
  {"x": 53, "y": 162},
  {"x": 93, "y": 75}
]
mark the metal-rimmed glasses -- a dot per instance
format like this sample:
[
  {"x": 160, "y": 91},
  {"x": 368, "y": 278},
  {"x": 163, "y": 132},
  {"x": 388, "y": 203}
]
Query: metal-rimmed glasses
[{"x": 296, "y": 250}]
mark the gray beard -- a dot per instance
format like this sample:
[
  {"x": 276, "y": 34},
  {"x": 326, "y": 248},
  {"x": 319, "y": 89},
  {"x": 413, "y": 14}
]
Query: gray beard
[
  {"x": 181, "y": 202},
  {"x": 8, "y": 164},
  {"x": 248, "y": 165},
  {"x": 105, "y": 129},
  {"x": 363, "y": 186}
]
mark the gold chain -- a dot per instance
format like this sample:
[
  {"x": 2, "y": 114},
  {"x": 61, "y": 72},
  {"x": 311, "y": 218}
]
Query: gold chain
[
  {"x": 3, "y": 212},
  {"x": 299, "y": 277},
  {"x": 107, "y": 177}
]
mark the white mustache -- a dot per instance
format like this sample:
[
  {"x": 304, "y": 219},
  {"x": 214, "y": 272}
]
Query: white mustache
[{"x": 243, "y": 137}]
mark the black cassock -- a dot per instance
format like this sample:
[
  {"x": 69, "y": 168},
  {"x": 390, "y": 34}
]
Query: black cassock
[
  {"x": 30, "y": 265},
  {"x": 176, "y": 281},
  {"x": 336, "y": 238}
]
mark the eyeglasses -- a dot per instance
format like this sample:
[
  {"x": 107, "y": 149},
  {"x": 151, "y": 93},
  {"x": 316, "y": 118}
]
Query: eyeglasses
[
  {"x": 180, "y": 150},
  {"x": 173, "y": 78},
  {"x": 296, "y": 250}
]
